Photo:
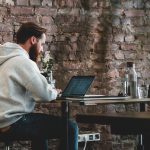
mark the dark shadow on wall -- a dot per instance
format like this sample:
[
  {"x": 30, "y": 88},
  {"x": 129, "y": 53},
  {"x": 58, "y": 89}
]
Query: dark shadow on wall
[
  {"x": 85, "y": 4},
  {"x": 84, "y": 46},
  {"x": 93, "y": 44}
]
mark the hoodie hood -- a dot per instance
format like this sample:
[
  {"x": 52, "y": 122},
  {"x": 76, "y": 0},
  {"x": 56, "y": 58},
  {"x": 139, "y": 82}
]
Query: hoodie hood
[{"x": 10, "y": 50}]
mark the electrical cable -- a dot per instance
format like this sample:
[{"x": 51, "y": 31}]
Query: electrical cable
[{"x": 85, "y": 143}]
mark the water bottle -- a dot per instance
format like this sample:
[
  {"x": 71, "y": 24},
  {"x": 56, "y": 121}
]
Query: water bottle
[
  {"x": 132, "y": 80},
  {"x": 126, "y": 84}
]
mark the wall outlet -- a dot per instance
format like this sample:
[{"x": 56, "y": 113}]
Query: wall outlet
[{"x": 89, "y": 137}]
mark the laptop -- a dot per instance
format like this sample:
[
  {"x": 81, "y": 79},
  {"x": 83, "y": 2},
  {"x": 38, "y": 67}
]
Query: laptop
[{"x": 77, "y": 87}]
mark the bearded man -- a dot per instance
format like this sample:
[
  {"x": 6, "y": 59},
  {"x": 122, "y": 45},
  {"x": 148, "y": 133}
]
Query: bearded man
[{"x": 22, "y": 85}]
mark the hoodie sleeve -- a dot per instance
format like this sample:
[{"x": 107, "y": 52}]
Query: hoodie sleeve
[{"x": 34, "y": 82}]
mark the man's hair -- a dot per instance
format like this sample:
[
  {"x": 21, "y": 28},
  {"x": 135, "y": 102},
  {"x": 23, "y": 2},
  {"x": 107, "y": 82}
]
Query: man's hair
[{"x": 28, "y": 30}]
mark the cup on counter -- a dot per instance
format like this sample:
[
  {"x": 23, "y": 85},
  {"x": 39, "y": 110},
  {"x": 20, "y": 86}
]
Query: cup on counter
[{"x": 143, "y": 91}]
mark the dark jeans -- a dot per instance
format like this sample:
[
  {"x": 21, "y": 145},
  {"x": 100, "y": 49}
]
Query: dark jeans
[{"x": 41, "y": 127}]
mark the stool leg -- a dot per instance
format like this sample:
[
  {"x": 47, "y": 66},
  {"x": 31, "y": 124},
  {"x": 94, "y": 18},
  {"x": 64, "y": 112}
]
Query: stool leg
[
  {"x": 140, "y": 143},
  {"x": 7, "y": 147}
]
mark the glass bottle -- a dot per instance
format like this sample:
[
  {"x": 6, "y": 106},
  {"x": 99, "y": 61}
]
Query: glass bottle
[
  {"x": 126, "y": 84},
  {"x": 132, "y": 80},
  {"x": 51, "y": 80}
]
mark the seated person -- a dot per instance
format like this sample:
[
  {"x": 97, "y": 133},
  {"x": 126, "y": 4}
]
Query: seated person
[{"x": 22, "y": 86}]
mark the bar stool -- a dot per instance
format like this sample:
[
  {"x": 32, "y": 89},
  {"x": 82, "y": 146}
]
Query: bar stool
[
  {"x": 7, "y": 139},
  {"x": 7, "y": 145}
]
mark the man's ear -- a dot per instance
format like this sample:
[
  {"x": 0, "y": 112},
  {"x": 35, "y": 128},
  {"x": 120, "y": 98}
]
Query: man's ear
[{"x": 33, "y": 39}]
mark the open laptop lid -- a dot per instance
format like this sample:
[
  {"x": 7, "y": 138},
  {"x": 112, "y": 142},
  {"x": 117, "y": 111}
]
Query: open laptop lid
[{"x": 77, "y": 86}]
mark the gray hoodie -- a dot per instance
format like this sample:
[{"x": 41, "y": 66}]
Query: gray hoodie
[{"x": 21, "y": 84}]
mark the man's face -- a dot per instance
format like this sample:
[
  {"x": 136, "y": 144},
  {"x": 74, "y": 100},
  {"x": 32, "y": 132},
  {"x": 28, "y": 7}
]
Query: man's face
[{"x": 37, "y": 48}]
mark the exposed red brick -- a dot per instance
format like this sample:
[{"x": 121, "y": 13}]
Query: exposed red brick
[
  {"x": 8, "y": 37},
  {"x": 119, "y": 55},
  {"x": 87, "y": 37},
  {"x": 22, "y": 2},
  {"x": 146, "y": 47},
  {"x": 0, "y": 38},
  {"x": 22, "y": 10},
  {"x": 46, "y": 3},
  {"x": 47, "y": 20},
  {"x": 113, "y": 73},
  {"x": 119, "y": 38},
  {"x": 24, "y": 18},
  {"x": 130, "y": 46},
  {"x": 9, "y": 2},
  {"x": 47, "y": 11},
  {"x": 6, "y": 28},
  {"x": 3, "y": 11},
  {"x": 35, "y": 2},
  {"x": 69, "y": 65},
  {"x": 134, "y": 13},
  {"x": 129, "y": 38}
]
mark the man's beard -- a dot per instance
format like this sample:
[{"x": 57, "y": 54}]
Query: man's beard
[{"x": 33, "y": 53}]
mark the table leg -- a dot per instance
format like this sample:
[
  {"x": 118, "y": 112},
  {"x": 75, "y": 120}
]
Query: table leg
[
  {"x": 65, "y": 115},
  {"x": 146, "y": 142},
  {"x": 140, "y": 147},
  {"x": 140, "y": 144},
  {"x": 142, "y": 107}
]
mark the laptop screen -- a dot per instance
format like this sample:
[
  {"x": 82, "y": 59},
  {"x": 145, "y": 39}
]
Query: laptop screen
[{"x": 78, "y": 86}]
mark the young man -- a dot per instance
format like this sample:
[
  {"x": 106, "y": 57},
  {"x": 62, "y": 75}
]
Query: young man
[{"x": 22, "y": 86}]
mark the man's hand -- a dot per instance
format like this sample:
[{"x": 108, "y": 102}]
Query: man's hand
[{"x": 59, "y": 91}]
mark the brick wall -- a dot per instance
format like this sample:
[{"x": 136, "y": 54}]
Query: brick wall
[{"x": 88, "y": 37}]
